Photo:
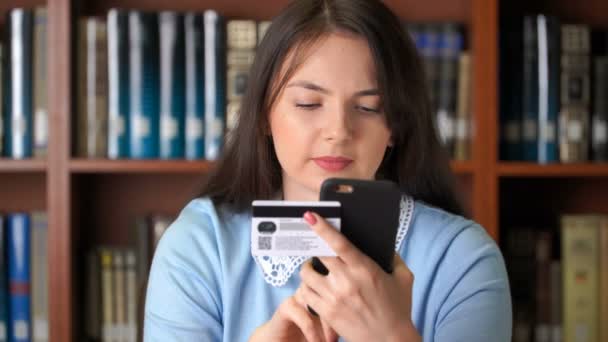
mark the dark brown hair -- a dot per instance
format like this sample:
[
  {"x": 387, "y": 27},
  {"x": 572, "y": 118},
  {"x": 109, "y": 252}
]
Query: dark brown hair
[{"x": 248, "y": 168}]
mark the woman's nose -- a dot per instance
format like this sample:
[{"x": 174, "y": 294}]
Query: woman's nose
[{"x": 339, "y": 125}]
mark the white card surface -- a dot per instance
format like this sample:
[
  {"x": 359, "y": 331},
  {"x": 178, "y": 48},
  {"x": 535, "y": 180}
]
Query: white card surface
[{"x": 279, "y": 229}]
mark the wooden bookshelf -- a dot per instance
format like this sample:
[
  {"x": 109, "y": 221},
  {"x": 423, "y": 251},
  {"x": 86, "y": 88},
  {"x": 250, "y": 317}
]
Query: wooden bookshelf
[
  {"x": 139, "y": 166},
  {"x": 27, "y": 165},
  {"x": 508, "y": 169},
  {"x": 93, "y": 201}
]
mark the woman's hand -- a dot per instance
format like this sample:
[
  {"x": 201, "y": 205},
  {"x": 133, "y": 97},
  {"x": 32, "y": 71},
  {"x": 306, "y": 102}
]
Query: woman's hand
[
  {"x": 292, "y": 322},
  {"x": 357, "y": 298}
]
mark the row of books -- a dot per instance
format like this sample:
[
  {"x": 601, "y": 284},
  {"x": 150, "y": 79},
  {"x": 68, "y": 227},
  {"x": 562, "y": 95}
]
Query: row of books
[
  {"x": 116, "y": 284},
  {"x": 161, "y": 85},
  {"x": 24, "y": 277},
  {"x": 23, "y": 85},
  {"x": 448, "y": 69},
  {"x": 553, "y": 86},
  {"x": 560, "y": 299}
]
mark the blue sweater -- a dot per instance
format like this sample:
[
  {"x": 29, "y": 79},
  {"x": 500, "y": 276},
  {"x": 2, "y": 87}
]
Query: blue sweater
[{"x": 204, "y": 284}]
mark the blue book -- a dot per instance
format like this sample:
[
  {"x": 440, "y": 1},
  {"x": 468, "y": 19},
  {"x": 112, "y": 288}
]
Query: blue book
[
  {"x": 450, "y": 48},
  {"x": 143, "y": 84},
  {"x": 215, "y": 83},
  {"x": 510, "y": 74},
  {"x": 3, "y": 284},
  {"x": 18, "y": 110},
  {"x": 195, "y": 86},
  {"x": 530, "y": 88},
  {"x": 18, "y": 242},
  {"x": 172, "y": 85},
  {"x": 118, "y": 84}
]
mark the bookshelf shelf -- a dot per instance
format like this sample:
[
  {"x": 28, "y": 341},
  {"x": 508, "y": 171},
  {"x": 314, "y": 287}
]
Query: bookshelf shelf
[
  {"x": 27, "y": 165},
  {"x": 506, "y": 169},
  {"x": 139, "y": 166}
]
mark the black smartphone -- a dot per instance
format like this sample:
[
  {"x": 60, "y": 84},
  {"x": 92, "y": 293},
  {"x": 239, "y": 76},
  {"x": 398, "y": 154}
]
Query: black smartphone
[{"x": 369, "y": 217}]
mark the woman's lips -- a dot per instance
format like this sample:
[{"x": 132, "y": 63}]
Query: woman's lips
[{"x": 332, "y": 164}]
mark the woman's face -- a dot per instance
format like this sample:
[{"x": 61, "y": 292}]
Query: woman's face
[{"x": 328, "y": 121}]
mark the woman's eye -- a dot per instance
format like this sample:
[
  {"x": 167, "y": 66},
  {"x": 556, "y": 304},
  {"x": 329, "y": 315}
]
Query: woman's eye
[
  {"x": 308, "y": 106},
  {"x": 369, "y": 110}
]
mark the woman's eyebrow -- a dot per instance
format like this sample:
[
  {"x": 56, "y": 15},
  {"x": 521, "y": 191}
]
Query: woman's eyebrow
[{"x": 315, "y": 87}]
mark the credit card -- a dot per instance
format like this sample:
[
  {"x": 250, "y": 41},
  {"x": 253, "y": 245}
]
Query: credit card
[{"x": 278, "y": 228}]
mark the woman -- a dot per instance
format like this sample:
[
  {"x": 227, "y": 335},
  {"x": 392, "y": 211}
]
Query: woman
[{"x": 337, "y": 90}]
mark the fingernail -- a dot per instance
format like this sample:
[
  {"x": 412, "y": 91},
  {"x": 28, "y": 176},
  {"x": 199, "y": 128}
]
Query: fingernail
[{"x": 310, "y": 218}]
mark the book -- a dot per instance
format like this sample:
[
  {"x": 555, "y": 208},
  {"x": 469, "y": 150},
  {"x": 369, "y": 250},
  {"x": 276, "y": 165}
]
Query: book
[
  {"x": 41, "y": 116},
  {"x": 241, "y": 42},
  {"x": 548, "y": 29},
  {"x": 603, "y": 286},
  {"x": 556, "y": 301},
  {"x": 510, "y": 74},
  {"x": 172, "y": 85},
  {"x": 215, "y": 83},
  {"x": 143, "y": 85},
  {"x": 118, "y": 270},
  {"x": 94, "y": 297},
  {"x": 18, "y": 114},
  {"x": 599, "y": 132},
  {"x": 544, "y": 254},
  {"x": 92, "y": 117},
  {"x": 39, "y": 277},
  {"x": 108, "y": 317},
  {"x": 530, "y": 88},
  {"x": 195, "y": 86},
  {"x": 575, "y": 94},
  {"x": 18, "y": 241},
  {"x": 2, "y": 110},
  {"x": 580, "y": 259},
  {"x": 130, "y": 295},
  {"x": 463, "y": 134},
  {"x": 263, "y": 27},
  {"x": 450, "y": 47},
  {"x": 118, "y": 83},
  {"x": 4, "y": 292}
]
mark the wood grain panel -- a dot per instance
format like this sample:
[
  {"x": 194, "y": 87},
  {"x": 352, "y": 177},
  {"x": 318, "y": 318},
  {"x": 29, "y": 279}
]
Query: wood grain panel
[
  {"x": 22, "y": 192},
  {"x": 62, "y": 322},
  {"x": 108, "y": 204}
]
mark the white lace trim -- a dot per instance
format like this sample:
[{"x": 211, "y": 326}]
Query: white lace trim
[{"x": 278, "y": 270}]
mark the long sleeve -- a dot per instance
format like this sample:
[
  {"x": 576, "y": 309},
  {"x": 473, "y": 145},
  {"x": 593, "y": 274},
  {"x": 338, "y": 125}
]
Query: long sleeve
[{"x": 183, "y": 300}]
